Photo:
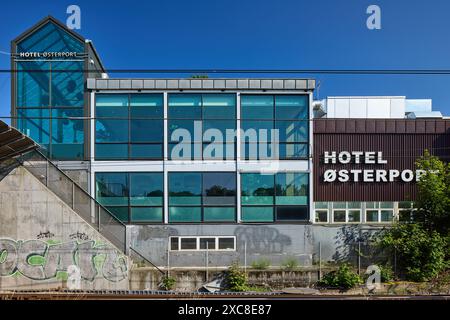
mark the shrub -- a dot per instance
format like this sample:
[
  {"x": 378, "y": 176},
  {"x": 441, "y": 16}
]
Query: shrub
[
  {"x": 343, "y": 278},
  {"x": 261, "y": 264},
  {"x": 290, "y": 263},
  {"x": 168, "y": 283},
  {"x": 421, "y": 254},
  {"x": 236, "y": 278},
  {"x": 386, "y": 273}
]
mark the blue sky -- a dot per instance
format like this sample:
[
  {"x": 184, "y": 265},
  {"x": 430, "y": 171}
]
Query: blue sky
[{"x": 251, "y": 34}]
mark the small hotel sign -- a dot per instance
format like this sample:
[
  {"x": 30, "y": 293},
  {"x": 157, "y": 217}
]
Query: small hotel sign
[
  {"x": 47, "y": 54},
  {"x": 367, "y": 175}
]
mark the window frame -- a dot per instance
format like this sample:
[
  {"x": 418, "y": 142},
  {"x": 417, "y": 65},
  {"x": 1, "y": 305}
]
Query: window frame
[
  {"x": 274, "y": 204},
  {"x": 198, "y": 246},
  {"x": 202, "y": 204},
  {"x": 129, "y": 119}
]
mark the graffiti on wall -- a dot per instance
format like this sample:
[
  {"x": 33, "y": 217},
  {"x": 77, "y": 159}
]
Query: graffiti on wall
[
  {"x": 262, "y": 239},
  {"x": 40, "y": 260}
]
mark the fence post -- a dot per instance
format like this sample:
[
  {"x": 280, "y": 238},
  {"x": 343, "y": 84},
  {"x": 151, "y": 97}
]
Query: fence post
[
  {"x": 245, "y": 257},
  {"x": 320, "y": 260},
  {"x": 168, "y": 262},
  {"x": 359, "y": 257},
  {"x": 206, "y": 263}
]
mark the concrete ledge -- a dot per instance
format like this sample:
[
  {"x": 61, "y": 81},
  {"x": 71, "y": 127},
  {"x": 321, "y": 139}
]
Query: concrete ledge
[{"x": 193, "y": 84}]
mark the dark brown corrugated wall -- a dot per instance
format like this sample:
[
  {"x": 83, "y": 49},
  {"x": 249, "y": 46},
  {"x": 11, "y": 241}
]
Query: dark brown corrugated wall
[{"x": 401, "y": 141}]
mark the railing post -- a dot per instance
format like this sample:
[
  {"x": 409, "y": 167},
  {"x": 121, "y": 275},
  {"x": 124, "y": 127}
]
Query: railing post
[{"x": 73, "y": 196}]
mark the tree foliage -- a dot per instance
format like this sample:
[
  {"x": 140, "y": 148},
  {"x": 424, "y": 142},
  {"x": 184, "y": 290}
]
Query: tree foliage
[
  {"x": 422, "y": 246},
  {"x": 433, "y": 200},
  {"x": 343, "y": 278}
]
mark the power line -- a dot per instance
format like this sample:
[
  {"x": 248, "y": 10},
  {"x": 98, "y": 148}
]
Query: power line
[{"x": 253, "y": 71}]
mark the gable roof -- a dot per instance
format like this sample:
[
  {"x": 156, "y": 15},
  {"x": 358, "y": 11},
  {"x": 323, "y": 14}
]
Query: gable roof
[{"x": 52, "y": 19}]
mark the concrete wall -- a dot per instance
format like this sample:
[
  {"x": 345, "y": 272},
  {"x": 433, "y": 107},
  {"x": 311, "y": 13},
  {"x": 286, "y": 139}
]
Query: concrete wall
[
  {"x": 46, "y": 245},
  {"x": 275, "y": 242},
  {"x": 194, "y": 279}
]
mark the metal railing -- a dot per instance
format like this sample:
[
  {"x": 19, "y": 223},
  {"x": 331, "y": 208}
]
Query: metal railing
[{"x": 77, "y": 198}]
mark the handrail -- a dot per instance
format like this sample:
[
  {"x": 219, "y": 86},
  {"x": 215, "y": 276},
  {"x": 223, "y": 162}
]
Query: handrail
[
  {"x": 143, "y": 257},
  {"x": 93, "y": 201},
  {"x": 28, "y": 156}
]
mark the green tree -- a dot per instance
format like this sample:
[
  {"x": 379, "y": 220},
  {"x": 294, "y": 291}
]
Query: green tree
[
  {"x": 422, "y": 246},
  {"x": 421, "y": 254},
  {"x": 433, "y": 200}
]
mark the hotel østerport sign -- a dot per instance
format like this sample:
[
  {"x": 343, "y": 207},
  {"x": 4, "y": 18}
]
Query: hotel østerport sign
[
  {"x": 365, "y": 175},
  {"x": 31, "y": 55}
]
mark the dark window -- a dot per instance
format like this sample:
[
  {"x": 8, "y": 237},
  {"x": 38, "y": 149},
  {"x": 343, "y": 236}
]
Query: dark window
[
  {"x": 226, "y": 243},
  {"x": 174, "y": 243},
  {"x": 208, "y": 243},
  {"x": 188, "y": 244}
]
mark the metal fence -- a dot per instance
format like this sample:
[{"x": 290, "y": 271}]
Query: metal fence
[{"x": 77, "y": 198}]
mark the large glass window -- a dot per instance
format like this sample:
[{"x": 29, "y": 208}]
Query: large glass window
[
  {"x": 197, "y": 197},
  {"x": 274, "y": 197},
  {"x": 198, "y": 123},
  {"x": 56, "y": 87},
  {"x": 280, "y": 120},
  {"x": 133, "y": 197},
  {"x": 129, "y": 126}
]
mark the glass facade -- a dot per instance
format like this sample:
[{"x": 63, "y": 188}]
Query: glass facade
[
  {"x": 50, "y": 93},
  {"x": 129, "y": 126},
  {"x": 274, "y": 197},
  {"x": 197, "y": 127},
  {"x": 133, "y": 197},
  {"x": 288, "y": 114},
  {"x": 202, "y": 197}
]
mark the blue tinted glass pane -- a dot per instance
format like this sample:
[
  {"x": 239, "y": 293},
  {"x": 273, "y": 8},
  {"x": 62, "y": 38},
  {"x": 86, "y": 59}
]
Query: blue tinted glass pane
[
  {"x": 292, "y": 131},
  {"x": 176, "y": 132},
  {"x": 143, "y": 100},
  {"x": 291, "y": 107},
  {"x": 257, "y": 107},
  {"x": 147, "y": 130},
  {"x": 146, "y": 151},
  {"x": 111, "y": 100},
  {"x": 67, "y": 132},
  {"x": 32, "y": 84},
  {"x": 185, "y": 151},
  {"x": 35, "y": 123},
  {"x": 146, "y": 106},
  {"x": 217, "y": 129},
  {"x": 111, "y": 151},
  {"x": 257, "y": 188},
  {"x": 50, "y": 38},
  {"x": 219, "y": 151},
  {"x": 292, "y": 213},
  {"x": 219, "y": 106},
  {"x": 185, "y": 188},
  {"x": 293, "y": 151},
  {"x": 292, "y": 189},
  {"x": 219, "y": 188},
  {"x": 108, "y": 130},
  {"x": 185, "y": 214},
  {"x": 256, "y": 131},
  {"x": 185, "y": 106},
  {"x": 260, "y": 151},
  {"x": 120, "y": 213},
  {"x": 111, "y": 189},
  {"x": 257, "y": 214},
  {"x": 219, "y": 214},
  {"x": 67, "y": 87},
  {"x": 146, "y": 189},
  {"x": 147, "y": 214}
]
